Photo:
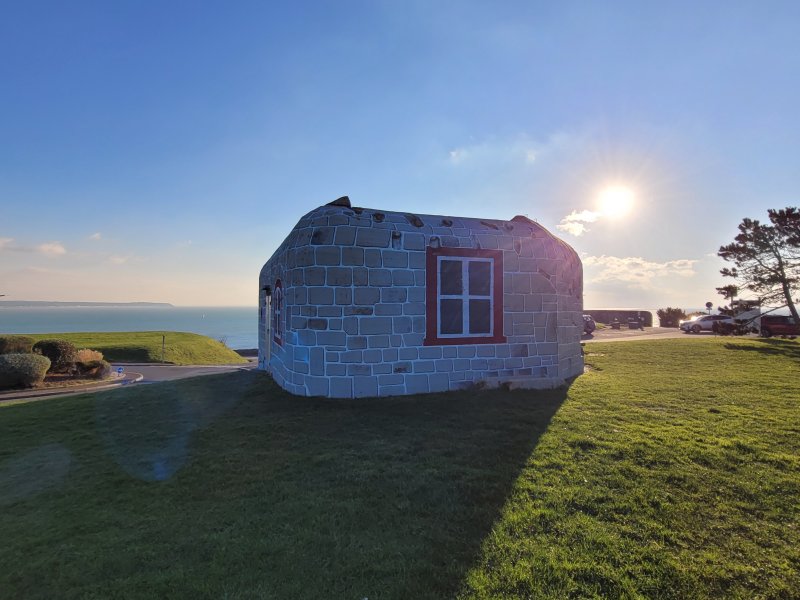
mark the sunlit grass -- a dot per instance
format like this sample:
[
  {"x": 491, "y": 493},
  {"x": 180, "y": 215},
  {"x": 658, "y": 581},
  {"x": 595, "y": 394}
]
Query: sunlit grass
[
  {"x": 145, "y": 346},
  {"x": 670, "y": 470}
]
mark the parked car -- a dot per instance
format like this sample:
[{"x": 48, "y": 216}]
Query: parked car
[
  {"x": 779, "y": 325},
  {"x": 704, "y": 323},
  {"x": 588, "y": 324}
]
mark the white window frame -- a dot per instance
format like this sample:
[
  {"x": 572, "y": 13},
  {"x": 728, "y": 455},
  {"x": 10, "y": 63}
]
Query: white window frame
[{"x": 464, "y": 296}]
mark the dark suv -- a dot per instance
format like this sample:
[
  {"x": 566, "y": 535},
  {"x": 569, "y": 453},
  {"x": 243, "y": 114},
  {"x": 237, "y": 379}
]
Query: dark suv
[{"x": 779, "y": 325}]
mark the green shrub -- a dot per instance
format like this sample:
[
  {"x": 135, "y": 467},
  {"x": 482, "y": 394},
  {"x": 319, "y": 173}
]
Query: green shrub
[
  {"x": 93, "y": 369},
  {"x": 16, "y": 344},
  {"x": 62, "y": 354},
  {"x": 22, "y": 370}
]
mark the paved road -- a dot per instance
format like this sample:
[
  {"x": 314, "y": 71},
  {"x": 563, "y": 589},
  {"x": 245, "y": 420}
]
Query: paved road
[
  {"x": 649, "y": 333},
  {"x": 152, "y": 373}
]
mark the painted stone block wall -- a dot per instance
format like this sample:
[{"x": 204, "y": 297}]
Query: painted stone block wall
[{"x": 356, "y": 309}]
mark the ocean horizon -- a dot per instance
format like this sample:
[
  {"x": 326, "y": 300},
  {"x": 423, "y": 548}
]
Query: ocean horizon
[{"x": 235, "y": 326}]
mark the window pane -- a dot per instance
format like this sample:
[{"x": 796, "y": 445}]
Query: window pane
[
  {"x": 450, "y": 277},
  {"x": 480, "y": 316},
  {"x": 480, "y": 277},
  {"x": 451, "y": 316}
]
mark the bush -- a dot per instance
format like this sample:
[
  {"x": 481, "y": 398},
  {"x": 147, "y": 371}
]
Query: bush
[
  {"x": 93, "y": 369},
  {"x": 61, "y": 353},
  {"x": 24, "y": 370},
  {"x": 85, "y": 355},
  {"x": 670, "y": 317},
  {"x": 16, "y": 344}
]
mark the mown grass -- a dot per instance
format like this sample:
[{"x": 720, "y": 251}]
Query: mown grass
[
  {"x": 670, "y": 470},
  {"x": 145, "y": 346}
]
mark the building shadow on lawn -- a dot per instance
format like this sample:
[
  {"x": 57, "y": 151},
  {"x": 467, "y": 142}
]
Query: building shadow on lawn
[
  {"x": 227, "y": 486},
  {"x": 787, "y": 348},
  {"x": 390, "y": 497}
]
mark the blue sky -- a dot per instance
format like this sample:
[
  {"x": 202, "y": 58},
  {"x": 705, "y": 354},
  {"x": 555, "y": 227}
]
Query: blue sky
[{"x": 162, "y": 151}]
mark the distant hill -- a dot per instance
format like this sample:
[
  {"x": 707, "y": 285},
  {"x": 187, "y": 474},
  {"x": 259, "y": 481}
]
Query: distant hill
[{"x": 46, "y": 304}]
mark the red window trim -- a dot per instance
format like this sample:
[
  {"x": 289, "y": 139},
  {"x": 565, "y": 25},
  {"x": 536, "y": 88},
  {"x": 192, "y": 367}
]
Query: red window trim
[{"x": 431, "y": 301}]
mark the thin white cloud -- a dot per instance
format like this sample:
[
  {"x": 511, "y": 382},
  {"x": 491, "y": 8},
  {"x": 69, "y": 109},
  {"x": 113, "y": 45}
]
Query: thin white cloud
[
  {"x": 51, "y": 249},
  {"x": 574, "y": 222},
  {"x": 635, "y": 270},
  {"x": 96, "y": 236},
  {"x": 5, "y": 242},
  {"x": 521, "y": 150},
  {"x": 116, "y": 259}
]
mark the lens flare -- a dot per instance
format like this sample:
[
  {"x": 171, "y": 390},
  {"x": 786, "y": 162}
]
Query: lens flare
[{"x": 615, "y": 201}]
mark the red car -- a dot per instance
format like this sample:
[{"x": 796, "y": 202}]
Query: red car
[{"x": 779, "y": 325}]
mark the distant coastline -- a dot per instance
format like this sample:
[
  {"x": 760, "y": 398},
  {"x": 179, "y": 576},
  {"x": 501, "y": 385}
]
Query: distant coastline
[{"x": 46, "y": 304}]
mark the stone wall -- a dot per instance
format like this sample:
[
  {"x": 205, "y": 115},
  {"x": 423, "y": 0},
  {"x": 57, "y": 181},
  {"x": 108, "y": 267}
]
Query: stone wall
[{"x": 354, "y": 287}]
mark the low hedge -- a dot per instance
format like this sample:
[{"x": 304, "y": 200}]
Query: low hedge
[
  {"x": 22, "y": 370},
  {"x": 62, "y": 354},
  {"x": 93, "y": 369},
  {"x": 16, "y": 344}
]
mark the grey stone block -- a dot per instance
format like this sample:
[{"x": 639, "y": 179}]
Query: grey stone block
[
  {"x": 486, "y": 351},
  {"x": 353, "y": 257},
  {"x": 416, "y": 260},
  {"x": 366, "y": 296},
  {"x": 373, "y": 325},
  {"x": 339, "y": 276},
  {"x": 299, "y": 322},
  {"x": 318, "y": 324},
  {"x": 424, "y": 366},
  {"x": 351, "y": 356},
  {"x": 350, "y": 325},
  {"x": 395, "y": 341},
  {"x": 358, "y": 310},
  {"x": 365, "y": 387},
  {"x": 392, "y": 390},
  {"x": 378, "y": 341},
  {"x": 314, "y": 275},
  {"x": 395, "y": 259},
  {"x": 408, "y": 353},
  {"x": 322, "y": 236},
  {"x": 378, "y": 238},
  {"x": 413, "y": 339},
  {"x": 359, "y": 369},
  {"x": 335, "y": 369},
  {"x": 414, "y": 308},
  {"x": 328, "y": 255},
  {"x": 308, "y": 311},
  {"x": 381, "y": 368},
  {"x": 331, "y": 338},
  {"x": 449, "y": 351},
  {"x": 320, "y": 295},
  {"x": 389, "y": 310},
  {"x": 429, "y": 352},
  {"x": 343, "y": 295},
  {"x": 373, "y": 356},
  {"x": 317, "y": 361},
  {"x": 341, "y": 387},
  {"x": 479, "y": 364},
  {"x": 356, "y": 342},
  {"x": 360, "y": 276},
  {"x": 418, "y": 324},
  {"x": 417, "y": 384},
  {"x": 439, "y": 382},
  {"x": 444, "y": 365},
  {"x": 402, "y": 277},
  {"x": 345, "y": 236},
  {"x": 317, "y": 386},
  {"x": 390, "y": 355},
  {"x": 416, "y": 294},
  {"x": 329, "y": 311},
  {"x": 414, "y": 241},
  {"x": 380, "y": 277},
  {"x": 403, "y": 367},
  {"x": 306, "y": 337},
  {"x": 372, "y": 258},
  {"x": 391, "y": 380}
]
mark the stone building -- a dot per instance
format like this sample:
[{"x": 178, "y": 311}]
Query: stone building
[{"x": 359, "y": 302}]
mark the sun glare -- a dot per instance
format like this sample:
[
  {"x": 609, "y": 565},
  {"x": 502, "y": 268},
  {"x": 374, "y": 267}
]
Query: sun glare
[{"x": 615, "y": 201}]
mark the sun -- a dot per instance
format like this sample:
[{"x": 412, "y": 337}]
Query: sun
[{"x": 615, "y": 201}]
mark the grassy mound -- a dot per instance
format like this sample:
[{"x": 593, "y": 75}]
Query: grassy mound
[
  {"x": 670, "y": 470},
  {"x": 145, "y": 346}
]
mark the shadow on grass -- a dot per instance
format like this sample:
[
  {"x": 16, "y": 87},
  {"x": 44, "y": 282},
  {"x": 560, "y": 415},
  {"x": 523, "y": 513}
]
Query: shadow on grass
[
  {"x": 228, "y": 486},
  {"x": 787, "y": 348}
]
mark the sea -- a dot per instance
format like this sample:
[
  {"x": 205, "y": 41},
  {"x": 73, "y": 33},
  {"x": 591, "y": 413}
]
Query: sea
[{"x": 236, "y": 326}]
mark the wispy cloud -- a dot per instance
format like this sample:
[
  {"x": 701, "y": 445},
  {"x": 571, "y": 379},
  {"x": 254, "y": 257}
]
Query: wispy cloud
[
  {"x": 51, "y": 249},
  {"x": 96, "y": 236},
  {"x": 634, "y": 270},
  {"x": 5, "y": 242},
  {"x": 574, "y": 222},
  {"x": 521, "y": 150},
  {"x": 116, "y": 259}
]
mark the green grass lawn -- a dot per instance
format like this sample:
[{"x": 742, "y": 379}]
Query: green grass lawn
[
  {"x": 670, "y": 470},
  {"x": 145, "y": 346}
]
